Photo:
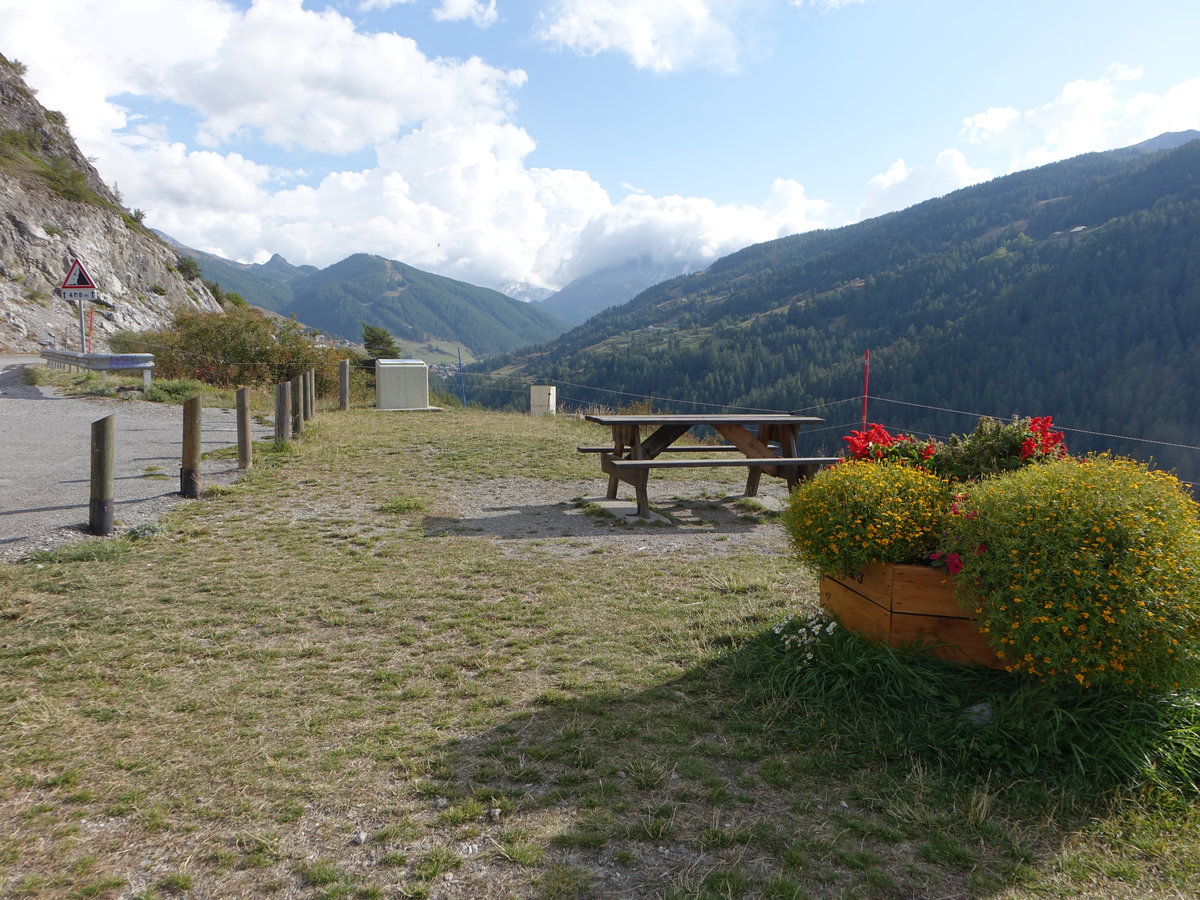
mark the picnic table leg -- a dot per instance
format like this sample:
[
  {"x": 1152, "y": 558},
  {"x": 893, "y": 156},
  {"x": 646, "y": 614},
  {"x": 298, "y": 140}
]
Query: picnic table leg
[
  {"x": 626, "y": 440},
  {"x": 643, "y": 498},
  {"x": 787, "y": 447},
  {"x": 752, "y": 480}
]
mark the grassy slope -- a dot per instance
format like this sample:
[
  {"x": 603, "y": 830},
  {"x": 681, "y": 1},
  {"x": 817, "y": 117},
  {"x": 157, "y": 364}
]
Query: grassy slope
[{"x": 318, "y": 652}]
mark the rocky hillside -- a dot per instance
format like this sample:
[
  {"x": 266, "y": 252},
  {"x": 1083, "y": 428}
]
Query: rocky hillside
[{"x": 54, "y": 208}]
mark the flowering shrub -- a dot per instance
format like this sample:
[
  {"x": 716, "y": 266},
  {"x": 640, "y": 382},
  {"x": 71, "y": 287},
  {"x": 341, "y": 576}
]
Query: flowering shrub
[
  {"x": 1085, "y": 571},
  {"x": 996, "y": 447},
  {"x": 859, "y": 512},
  {"x": 877, "y": 443}
]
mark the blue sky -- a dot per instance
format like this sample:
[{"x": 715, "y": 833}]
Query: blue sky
[{"x": 532, "y": 141}]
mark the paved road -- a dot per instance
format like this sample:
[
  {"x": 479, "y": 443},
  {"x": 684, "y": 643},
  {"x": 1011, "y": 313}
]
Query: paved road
[{"x": 45, "y": 460}]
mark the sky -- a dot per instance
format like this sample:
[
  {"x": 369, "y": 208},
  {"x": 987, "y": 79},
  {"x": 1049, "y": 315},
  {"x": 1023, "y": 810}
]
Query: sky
[{"x": 534, "y": 141}]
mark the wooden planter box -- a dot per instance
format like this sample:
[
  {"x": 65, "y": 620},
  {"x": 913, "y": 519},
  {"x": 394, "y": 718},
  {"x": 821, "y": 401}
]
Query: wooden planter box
[{"x": 901, "y": 604}]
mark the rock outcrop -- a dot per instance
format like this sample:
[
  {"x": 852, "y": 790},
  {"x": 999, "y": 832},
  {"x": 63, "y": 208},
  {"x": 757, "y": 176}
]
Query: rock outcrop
[{"x": 55, "y": 208}]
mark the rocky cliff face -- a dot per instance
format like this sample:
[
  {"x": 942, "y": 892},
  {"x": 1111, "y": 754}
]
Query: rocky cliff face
[{"x": 55, "y": 208}]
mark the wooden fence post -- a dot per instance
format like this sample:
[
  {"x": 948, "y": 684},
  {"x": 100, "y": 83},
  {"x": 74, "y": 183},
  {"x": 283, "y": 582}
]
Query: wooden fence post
[
  {"x": 100, "y": 508},
  {"x": 344, "y": 385},
  {"x": 245, "y": 446},
  {"x": 297, "y": 404},
  {"x": 309, "y": 380},
  {"x": 189, "y": 474},
  {"x": 283, "y": 412}
]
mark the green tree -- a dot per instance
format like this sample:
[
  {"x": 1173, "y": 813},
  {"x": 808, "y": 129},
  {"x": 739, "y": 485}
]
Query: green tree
[{"x": 379, "y": 342}]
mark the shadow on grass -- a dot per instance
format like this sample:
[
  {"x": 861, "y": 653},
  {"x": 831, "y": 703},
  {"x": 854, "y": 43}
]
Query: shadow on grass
[
  {"x": 695, "y": 788},
  {"x": 579, "y": 519}
]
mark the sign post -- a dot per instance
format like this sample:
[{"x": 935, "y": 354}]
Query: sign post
[{"x": 78, "y": 286}]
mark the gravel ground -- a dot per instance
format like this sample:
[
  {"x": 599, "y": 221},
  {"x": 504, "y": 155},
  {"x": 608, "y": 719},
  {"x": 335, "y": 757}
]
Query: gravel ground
[
  {"x": 45, "y": 441},
  {"x": 699, "y": 517}
]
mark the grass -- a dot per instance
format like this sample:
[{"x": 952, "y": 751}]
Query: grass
[
  {"x": 162, "y": 390},
  {"x": 221, "y": 710}
]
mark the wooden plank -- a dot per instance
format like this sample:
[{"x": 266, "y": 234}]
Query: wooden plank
[
  {"x": 855, "y": 611},
  {"x": 767, "y": 461},
  {"x": 738, "y": 435},
  {"x": 924, "y": 590},
  {"x": 962, "y": 640},
  {"x": 663, "y": 437},
  {"x": 874, "y": 583},
  {"x": 708, "y": 419},
  {"x": 674, "y": 448}
]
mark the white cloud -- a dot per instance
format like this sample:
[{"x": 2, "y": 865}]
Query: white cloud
[
  {"x": 1086, "y": 115},
  {"x": 379, "y": 5},
  {"x": 482, "y": 14},
  {"x": 663, "y": 36},
  {"x": 448, "y": 188},
  {"x": 690, "y": 229},
  {"x": 901, "y": 186},
  {"x": 986, "y": 125},
  {"x": 825, "y": 4}
]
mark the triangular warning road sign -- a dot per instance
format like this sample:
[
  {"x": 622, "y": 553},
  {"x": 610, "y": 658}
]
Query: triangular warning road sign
[{"x": 78, "y": 277}]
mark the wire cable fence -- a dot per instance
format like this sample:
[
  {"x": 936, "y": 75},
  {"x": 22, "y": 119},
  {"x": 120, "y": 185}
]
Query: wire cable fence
[{"x": 576, "y": 401}]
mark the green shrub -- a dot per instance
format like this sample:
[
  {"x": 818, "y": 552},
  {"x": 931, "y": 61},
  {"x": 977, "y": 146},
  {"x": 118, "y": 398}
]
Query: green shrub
[
  {"x": 1085, "y": 571},
  {"x": 185, "y": 265},
  {"x": 859, "y": 512},
  {"x": 240, "y": 346},
  {"x": 173, "y": 390},
  {"x": 68, "y": 180},
  {"x": 996, "y": 447}
]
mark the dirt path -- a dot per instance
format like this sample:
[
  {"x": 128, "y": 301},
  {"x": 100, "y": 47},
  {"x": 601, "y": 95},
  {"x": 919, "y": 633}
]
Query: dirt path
[{"x": 45, "y": 448}]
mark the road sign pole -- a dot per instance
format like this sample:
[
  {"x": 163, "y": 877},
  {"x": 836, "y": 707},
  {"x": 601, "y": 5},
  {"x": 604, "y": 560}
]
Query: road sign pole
[{"x": 82, "y": 334}]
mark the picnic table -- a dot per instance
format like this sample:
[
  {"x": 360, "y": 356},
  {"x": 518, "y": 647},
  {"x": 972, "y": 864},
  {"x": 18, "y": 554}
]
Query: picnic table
[{"x": 767, "y": 442}]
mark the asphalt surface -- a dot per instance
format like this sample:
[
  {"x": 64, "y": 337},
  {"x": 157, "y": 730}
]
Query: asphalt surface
[{"x": 45, "y": 460}]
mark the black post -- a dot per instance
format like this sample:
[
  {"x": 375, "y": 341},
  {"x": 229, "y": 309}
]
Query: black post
[{"x": 100, "y": 509}]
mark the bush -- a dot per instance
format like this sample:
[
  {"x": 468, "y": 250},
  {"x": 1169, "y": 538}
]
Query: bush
[
  {"x": 173, "y": 390},
  {"x": 184, "y": 265},
  {"x": 997, "y": 447},
  {"x": 859, "y": 512},
  {"x": 1085, "y": 571},
  {"x": 238, "y": 346}
]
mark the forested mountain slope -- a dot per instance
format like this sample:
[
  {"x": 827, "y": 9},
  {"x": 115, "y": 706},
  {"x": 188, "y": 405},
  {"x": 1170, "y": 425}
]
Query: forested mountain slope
[
  {"x": 1072, "y": 290},
  {"x": 415, "y": 305}
]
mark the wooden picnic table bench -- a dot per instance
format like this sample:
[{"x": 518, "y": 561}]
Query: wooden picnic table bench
[{"x": 768, "y": 442}]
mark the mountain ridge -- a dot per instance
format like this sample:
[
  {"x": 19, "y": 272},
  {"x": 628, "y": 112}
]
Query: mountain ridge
[
  {"x": 1038, "y": 293},
  {"x": 417, "y": 307}
]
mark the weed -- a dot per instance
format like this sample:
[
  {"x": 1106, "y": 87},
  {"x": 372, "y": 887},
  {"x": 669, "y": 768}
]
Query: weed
[
  {"x": 400, "y": 505},
  {"x": 435, "y": 863}
]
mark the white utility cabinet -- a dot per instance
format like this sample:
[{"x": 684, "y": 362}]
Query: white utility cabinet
[{"x": 401, "y": 384}]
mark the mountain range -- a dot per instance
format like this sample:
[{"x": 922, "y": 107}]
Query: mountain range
[
  {"x": 431, "y": 317},
  {"x": 1071, "y": 290}
]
